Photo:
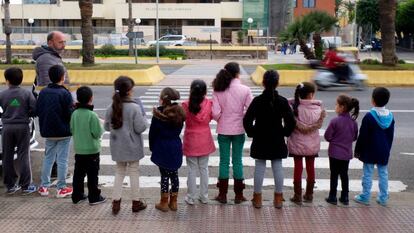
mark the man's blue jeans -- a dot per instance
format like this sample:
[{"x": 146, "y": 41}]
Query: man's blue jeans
[
  {"x": 55, "y": 150},
  {"x": 368, "y": 170}
]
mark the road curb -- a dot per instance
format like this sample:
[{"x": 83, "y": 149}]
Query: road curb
[
  {"x": 142, "y": 77},
  {"x": 375, "y": 77}
]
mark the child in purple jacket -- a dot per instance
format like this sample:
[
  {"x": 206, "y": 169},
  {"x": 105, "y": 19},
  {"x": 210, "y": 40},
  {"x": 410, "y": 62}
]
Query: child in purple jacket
[{"x": 341, "y": 132}]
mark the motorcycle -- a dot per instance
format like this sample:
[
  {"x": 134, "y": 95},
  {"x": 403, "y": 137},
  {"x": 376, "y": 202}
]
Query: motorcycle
[{"x": 325, "y": 78}]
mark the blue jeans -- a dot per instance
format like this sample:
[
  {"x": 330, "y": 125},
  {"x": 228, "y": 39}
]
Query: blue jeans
[
  {"x": 55, "y": 150},
  {"x": 368, "y": 170}
]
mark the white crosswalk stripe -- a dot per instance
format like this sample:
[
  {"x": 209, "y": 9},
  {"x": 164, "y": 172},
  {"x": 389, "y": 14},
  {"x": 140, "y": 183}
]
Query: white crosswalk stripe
[{"x": 150, "y": 99}]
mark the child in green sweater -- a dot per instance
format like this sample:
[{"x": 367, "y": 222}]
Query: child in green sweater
[{"x": 87, "y": 132}]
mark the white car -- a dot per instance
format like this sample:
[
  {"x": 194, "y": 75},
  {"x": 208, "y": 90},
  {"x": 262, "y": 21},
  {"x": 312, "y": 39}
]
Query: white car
[{"x": 169, "y": 40}]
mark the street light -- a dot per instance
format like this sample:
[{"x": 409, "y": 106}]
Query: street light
[
  {"x": 157, "y": 32},
  {"x": 249, "y": 21},
  {"x": 31, "y": 21},
  {"x": 137, "y": 22}
]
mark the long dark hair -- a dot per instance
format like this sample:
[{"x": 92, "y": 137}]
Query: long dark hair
[
  {"x": 350, "y": 104},
  {"x": 122, "y": 85},
  {"x": 302, "y": 92},
  {"x": 270, "y": 82},
  {"x": 225, "y": 76},
  {"x": 198, "y": 91}
]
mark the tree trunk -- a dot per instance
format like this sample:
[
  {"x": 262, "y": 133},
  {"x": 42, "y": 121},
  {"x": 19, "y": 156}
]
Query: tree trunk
[
  {"x": 317, "y": 42},
  {"x": 307, "y": 53},
  {"x": 130, "y": 29},
  {"x": 387, "y": 9},
  {"x": 88, "y": 49},
  {"x": 7, "y": 30}
]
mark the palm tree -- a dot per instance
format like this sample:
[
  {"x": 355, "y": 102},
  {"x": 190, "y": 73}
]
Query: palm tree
[
  {"x": 130, "y": 28},
  {"x": 299, "y": 31},
  {"x": 387, "y": 10},
  {"x": 315, "y": 22},
  {"x": 88, "y": 49},
  {"x": 7, "y": 29},
  {"x": 322, "y": 22}
]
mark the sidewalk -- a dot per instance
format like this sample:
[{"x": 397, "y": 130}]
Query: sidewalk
[{"x": 37, "y": 214}]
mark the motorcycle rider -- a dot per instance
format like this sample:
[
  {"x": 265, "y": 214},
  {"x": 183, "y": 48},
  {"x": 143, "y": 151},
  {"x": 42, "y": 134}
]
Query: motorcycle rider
[{"x": 331, "y": 60}]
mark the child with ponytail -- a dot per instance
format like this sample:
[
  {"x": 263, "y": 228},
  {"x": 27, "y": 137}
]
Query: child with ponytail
[
  {"x": 126, "y": 123},
  {"x": 341, "y": 132},
  {"x": 166, "y": 147},
  {"x": 305, "y": 141},
  {"x": 198, "y": 142}
]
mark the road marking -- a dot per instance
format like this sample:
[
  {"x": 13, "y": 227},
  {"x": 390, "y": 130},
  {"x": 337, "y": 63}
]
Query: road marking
[
  {"x": 247, "y": 144},
  {"x": 406, "y": 153},
  {"x": 321, "y": 184},
  {"x": 213, "y": 161}
]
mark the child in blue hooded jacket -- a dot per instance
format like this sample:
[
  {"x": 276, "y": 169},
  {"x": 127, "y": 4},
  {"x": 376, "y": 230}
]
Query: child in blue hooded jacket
[{"x": 373, "y": 146}]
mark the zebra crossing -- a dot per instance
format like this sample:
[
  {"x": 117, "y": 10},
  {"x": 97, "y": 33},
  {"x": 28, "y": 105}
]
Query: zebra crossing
[{"x": 149, "y": 177}]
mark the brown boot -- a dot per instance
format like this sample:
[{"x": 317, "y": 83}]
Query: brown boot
[
  {"x": 297, "y": 197},
  {"x": 278, "y": 200},
  {"x": 308, "y": 197},
  {"x": 163, "y": 205},
  {"x": 173, "y": 201},
  {"x": 257, "y": 200},
  {"x": 138, "y": 206},
  {"x": 116, "y": 206},
  {"x": 238, "y": 190},
  {"x": 223, "y": 185}
]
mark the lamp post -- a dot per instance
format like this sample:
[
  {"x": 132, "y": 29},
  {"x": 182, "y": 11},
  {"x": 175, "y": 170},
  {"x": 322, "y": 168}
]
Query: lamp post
[
  {"x": 157, "y": 33},
  {"x": 31, "y": 21},
  {"x": 137, "y": 22},
  {"x": 249, "y": 21}
]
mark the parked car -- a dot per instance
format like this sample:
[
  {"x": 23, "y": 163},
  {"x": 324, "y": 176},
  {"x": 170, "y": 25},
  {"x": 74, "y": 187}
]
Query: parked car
[
  {"x": 74, "y": 42},
  {"x": 169, "y": 40},
  {"x": 33, "y": 142},
  {"x": 376, "y": 44},
  {"x": 2, "y": 42},
  {"x": 23, "y": 42}
]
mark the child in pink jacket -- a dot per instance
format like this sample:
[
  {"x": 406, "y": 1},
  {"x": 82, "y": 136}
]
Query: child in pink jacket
[
  {"x": 198, "y": 142},
  {"x": 305, "y": 141},
  {"x": 230, "y": 102}
]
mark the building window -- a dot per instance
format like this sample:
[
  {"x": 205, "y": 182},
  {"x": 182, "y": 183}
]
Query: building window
[
  {"x": 309, "y": 3},
  {"x": 295, "y": 3}
]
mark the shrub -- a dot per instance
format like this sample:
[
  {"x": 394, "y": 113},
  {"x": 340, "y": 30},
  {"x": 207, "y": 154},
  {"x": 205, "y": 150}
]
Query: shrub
[
  {"x": 17, "y": 61},
  {"x": 148, "y": 52},
  {"x": 371, "y": 62},
  {"x": 107, "y": 49},
  {"x": 401, "y": 61}
]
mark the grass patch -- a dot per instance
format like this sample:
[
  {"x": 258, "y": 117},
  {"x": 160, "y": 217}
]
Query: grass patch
[
  {"x": 362, "y": 66},
  {"x": 78, "y": 66}
]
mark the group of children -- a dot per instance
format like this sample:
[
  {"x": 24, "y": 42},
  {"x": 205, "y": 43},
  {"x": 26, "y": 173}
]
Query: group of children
[{"x": 269, "y": 119}]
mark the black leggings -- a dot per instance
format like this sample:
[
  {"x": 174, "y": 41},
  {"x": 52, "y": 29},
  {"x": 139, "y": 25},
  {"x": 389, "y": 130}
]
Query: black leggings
[
  {"x": 166, "y": 176},
  {"x": 339, "y": 168}
]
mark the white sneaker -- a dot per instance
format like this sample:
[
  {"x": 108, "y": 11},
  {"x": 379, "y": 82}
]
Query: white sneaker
[
  {"x": 189, "y": 200},
  {"x": 203, "y": 200}
]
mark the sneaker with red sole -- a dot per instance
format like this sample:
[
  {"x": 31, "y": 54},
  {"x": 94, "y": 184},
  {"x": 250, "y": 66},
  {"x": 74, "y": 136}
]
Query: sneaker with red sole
[
  {"x": 64, "y": 192},
  {"x": 43, "y": 191}
]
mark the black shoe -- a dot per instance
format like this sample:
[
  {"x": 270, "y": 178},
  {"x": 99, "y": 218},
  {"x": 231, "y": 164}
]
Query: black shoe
[
  {"x": 100, "y": 200},
  {"x": 344, "y": 201},
  {"x": 78, "y": 201},
  {"x": 332, "y": 201}
]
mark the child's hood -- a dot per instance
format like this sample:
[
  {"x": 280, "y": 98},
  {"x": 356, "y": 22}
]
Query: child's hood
[
  {"x": 173, "y": 113},
  {"x": 205, "y": 111},
  {"x": 382, "y": 116}
]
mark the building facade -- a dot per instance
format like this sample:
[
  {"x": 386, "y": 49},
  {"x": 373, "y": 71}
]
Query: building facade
[{"x": 199, "y": 19}]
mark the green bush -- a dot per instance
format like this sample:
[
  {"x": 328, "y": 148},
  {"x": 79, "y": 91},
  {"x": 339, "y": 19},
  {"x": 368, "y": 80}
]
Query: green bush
[
  {"x": 17, "y": 61},
  {"x": 371, "y": 62},
  {"x": 107, "y": 49},
  {"x": 148, "y": 52},
  {"x": 401, "y": 61}
]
